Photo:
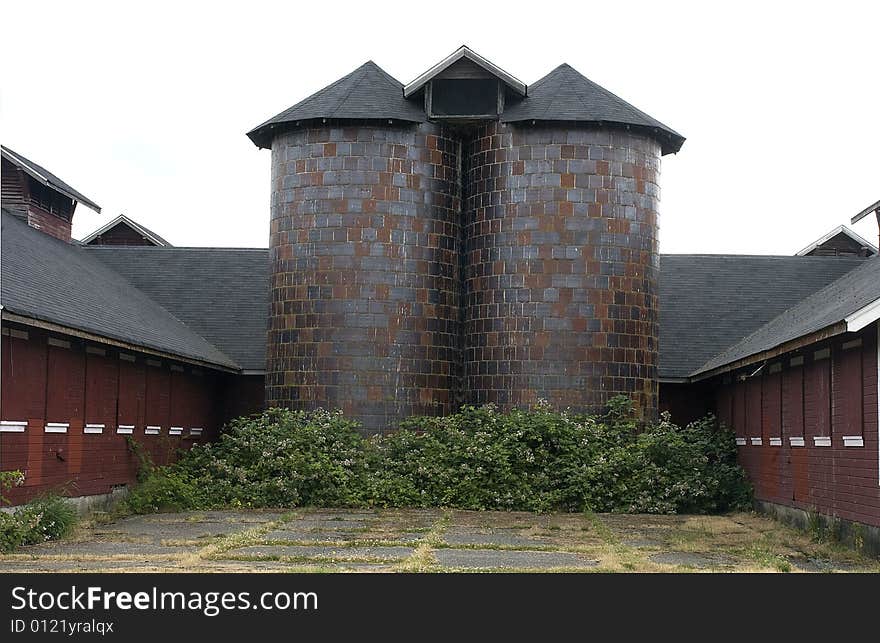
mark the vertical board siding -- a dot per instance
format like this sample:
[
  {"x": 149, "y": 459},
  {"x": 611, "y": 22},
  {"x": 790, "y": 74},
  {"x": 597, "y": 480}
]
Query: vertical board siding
[
  {"x": 47, "y": 383},
  {"x": 832, "y": 397}
]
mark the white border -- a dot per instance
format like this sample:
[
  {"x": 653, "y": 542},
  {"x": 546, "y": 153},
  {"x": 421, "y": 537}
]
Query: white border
[
  {"x": 93, "y": 428},
  {"x": 796, "y": 441},
  {"x": 195, "y": 431},
  {"x": 740, "y": 442},
  {"x": 13, "y": 426},
  {"x": 853, "y": 441},
  {"x": 775, "y": 442},
  {"x": 756, "y": 442},
  {"x": 822, "y": 440},
  {"x": 153, "y": 430},
  {"x": 56, "y": 427},
  {"x": 125, "y": 429},
  {"x": 175, "y": 430}
]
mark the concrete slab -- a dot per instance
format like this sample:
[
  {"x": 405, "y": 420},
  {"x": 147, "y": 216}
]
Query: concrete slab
[
  {"x": 301, "y": 535},
  {"x": 503, "y": 537},
  {"x": 167, "y": 530},
  {"x": 509, "y": 559},
  {"x": 102, "y": 548},
  {"x": 308, "y": 523},
  {"x": 316, "y": 551},
  {"x": 49, "y": 565}
]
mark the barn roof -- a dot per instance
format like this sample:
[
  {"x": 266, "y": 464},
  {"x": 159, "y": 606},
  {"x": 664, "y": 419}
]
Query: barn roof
[
  {"x": 369, "y": 92},
  {"x": 45, "y": 177},
  {"x": 709, "y": 303},
  {"x": 123, "y": 220},
  {"x": 220, "y": 293},
  {"x": 48, "y": 280},
  {"x": 566, "y": 95},
  {"x": 852, "y": 302}
]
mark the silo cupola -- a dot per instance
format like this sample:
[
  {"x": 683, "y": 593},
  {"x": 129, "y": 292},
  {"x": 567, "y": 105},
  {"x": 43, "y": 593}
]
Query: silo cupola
[{"x": 464, "y": 86}]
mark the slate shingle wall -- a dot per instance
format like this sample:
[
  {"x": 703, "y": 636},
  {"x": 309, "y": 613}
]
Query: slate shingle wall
[
  {"x": 562, "y": 266},
  {"x": 364, "y": 310}
]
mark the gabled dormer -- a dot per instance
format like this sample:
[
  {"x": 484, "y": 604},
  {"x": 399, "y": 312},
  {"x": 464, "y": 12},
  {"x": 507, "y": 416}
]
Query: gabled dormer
[
  {"x": 35, "y": 195},
  {"x": 464, "y": 86},
  {"x": 123, "y": 231}
]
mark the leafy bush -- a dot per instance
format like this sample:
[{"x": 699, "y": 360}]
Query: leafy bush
[
  {"x": 478, "y": 458},
  {"x": 46, "y": 518}
]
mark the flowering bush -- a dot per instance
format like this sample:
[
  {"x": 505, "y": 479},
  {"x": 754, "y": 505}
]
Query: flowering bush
[
  {"x": 42, "y": 519},
  {"x": 478, "y": 458}
]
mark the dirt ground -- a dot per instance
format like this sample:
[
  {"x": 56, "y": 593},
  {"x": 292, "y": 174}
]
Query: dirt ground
[{"x": 328, "y": 540}]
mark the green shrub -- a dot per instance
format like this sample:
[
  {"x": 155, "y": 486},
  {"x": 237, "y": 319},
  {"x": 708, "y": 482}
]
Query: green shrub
[
  {"x": 164, "y": 489},
  {"x": 478, "y": 458},
  {"x": 47, "y": 518},
  {"x": 11, "y": 532}
]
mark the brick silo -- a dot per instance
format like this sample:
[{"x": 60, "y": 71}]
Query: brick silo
[
  {"x": 364, "y": 265},
  {"x": 560, "y": 210},
  {"x": 462, "y": 239}
]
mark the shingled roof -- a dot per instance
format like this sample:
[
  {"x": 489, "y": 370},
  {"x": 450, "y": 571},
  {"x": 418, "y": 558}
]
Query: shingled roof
[
  {"x": 829, "y": 306},
  {"x": 708, "y": 303},
  {"x": 44, "y": 176},
  {"x": 368, "y": 92},
  {"x": 566, "y": 95},
  {"x": 49, "y": 280},
  {"x": 220, "y": 293}
]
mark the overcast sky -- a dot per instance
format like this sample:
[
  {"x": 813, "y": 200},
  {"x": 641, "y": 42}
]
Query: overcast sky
[{"x": 143, "y": 107}]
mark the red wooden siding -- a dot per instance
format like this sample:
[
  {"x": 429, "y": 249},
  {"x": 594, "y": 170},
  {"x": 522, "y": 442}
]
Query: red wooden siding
[
  {"x": 90, "y": 384},
  {"x": 817, "y": 397},
  {"x": 829, "y": 397},
  {"x": 102, "y": 383}
]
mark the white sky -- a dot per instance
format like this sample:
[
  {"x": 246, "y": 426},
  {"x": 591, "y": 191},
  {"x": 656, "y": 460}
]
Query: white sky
[{"x": 143, "y": 107}]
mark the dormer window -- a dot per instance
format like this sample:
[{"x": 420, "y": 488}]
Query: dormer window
[
  {"x": 464, "y": 87},
  {"x": 464, "y": 98}
]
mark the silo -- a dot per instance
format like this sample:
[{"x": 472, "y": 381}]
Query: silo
[
  {"x": 560, "y": 240},
  {"x": 365, "y": 286}
]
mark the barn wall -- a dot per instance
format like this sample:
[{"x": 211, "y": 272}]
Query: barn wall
[
  {"x": 791, "y": 420},
  {"x": 49, "y": 381}
]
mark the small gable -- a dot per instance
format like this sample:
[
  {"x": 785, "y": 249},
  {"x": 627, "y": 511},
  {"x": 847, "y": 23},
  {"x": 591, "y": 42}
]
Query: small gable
[{"x": 122, "y": 231}]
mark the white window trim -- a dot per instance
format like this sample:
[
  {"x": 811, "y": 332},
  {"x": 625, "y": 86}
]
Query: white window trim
[
  {"x": 775, "y": 442},
  {"x": 796, "y": 441},
  {"x": 175, "y": 430},
  {"x": 153, "y": 430},
  {"x": 822, "y": 440},
  {"x": 195, "y": 431},
  {"x": 56, "y": 427},
  {"x": 853, "y": 441},
  {"x": 740, "y": 442},
  {"x": 93, "y": 428},
  {"x": 17, "y": 334},
  {"x": 125, "y": 429},
  {"x": 58, "y": 343},
  {"x": 756, "y": 442},
  {"x": 13, "y": 426}
]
